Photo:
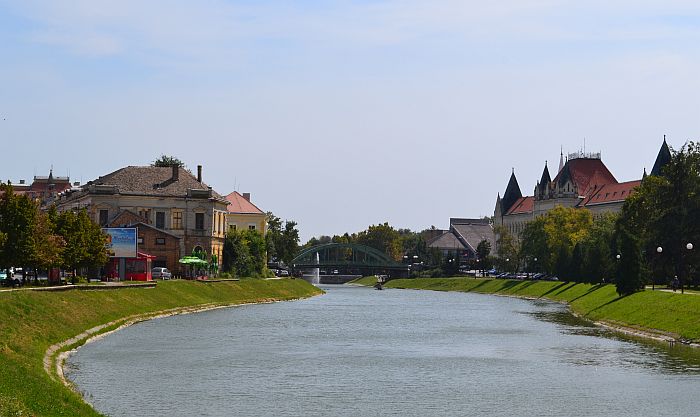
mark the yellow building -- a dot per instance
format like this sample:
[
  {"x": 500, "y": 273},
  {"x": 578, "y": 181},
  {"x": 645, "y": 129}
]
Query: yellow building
[{"x": 244, "y": 215}]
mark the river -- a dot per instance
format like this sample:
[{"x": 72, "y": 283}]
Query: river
[{"x": 360, "y": 352}]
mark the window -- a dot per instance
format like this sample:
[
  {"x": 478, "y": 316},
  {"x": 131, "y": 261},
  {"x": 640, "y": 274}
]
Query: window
[
  {"x": 146, "y": 214},
  {"x": 160, "y": 219},
  {"x": 139, "y": 241},
  {"x": 160, "y": 241},
  {"x": 177, "y": 220},
  {"x": 232, "y": 227},
  {"x": 104, "y": 217},
  {"x": 199, "y": 221},
  {"x": 251, "y": 227}
]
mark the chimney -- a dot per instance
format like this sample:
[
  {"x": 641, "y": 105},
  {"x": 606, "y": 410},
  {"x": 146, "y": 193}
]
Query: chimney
[
  {"x": 199, "y": 173},
  {"x": 176, "y": 173},
  {"x": 246, "y": 196}
]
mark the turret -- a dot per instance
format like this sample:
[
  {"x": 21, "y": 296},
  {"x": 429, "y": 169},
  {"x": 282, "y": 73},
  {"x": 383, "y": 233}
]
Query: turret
[
  {"x": 544, "y": 185},
  {"x": 512, "y": 193},
  {"x": 663, "y": 158}
]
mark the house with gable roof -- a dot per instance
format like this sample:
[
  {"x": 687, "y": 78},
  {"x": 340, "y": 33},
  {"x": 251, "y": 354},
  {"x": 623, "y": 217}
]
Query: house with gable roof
[{"x": 174, "y": 211}]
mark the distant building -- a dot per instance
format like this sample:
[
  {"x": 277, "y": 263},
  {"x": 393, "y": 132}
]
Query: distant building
[
  {"x": 242, "y": 214},
  {"x": 462, "y": 238},
  {"x": 174, "y": 211},
  {"x": 583, "y": 181},
  {"x": 44, "y": 189}
]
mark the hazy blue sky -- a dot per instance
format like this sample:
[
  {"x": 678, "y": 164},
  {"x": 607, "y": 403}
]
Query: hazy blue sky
[{"x": 347, "y": 113}]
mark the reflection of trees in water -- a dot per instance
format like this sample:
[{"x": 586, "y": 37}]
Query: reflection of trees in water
[{"x": 635, "y": 352}]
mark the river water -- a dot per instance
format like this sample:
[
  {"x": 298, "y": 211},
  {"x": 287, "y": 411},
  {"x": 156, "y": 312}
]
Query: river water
[{"x": 360, "y": 352}]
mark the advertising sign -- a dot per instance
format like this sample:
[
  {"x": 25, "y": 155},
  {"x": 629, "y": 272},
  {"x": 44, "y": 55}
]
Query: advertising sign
[{"x": 121, "y": 242}]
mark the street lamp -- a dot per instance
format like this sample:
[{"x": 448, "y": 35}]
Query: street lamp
[
  {"x": 659, "y": 250},
  {"x": 688, "y": 246}
]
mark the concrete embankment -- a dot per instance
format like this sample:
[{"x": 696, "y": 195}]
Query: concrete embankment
[
  {"x": 37, "y": 327},
  {"x": 659, "y": 315}
]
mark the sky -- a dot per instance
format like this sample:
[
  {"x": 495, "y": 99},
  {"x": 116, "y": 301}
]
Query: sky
[{"x": 342, "y": 114}]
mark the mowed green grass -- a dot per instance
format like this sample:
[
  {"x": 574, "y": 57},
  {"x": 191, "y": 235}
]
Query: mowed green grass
[
  {"x": 31, "y": 321},
  {"x": 672, "y": 313}
]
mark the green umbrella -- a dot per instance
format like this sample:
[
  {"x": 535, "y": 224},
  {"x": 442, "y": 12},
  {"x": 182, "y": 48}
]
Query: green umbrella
[{"x": 193, "y": 260}]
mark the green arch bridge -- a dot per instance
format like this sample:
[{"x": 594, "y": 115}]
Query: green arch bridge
[{"x": 348, "y": 259}]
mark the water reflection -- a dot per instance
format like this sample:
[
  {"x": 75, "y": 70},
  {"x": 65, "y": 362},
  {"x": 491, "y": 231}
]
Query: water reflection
[{"x": 637, "y": 352}]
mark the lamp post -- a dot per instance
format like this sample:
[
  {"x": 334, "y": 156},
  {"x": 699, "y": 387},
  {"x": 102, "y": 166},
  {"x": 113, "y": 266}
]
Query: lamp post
[
  {"x": 507, "y": 264},
  {"x": 617, "y": 257},
  {"x": 659, "y": 250},
  {"x": 689, "y": 247}
]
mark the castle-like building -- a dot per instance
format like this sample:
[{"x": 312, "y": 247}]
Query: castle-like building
[{"x": 582, "y": 181}]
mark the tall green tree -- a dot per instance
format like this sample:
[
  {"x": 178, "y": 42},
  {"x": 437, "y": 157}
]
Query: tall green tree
[
  {"x": 507, "y": 250},
  {"x": 49, "y": 244},
  {"x": 629, "y": 275},
  {"x": 282, "y": 239},
  {"x": 384, "y": 238},
  {"x": 664, "y": 212},
  {"x": 84, "y": 241},
  {"x": 599, "y": 263}
]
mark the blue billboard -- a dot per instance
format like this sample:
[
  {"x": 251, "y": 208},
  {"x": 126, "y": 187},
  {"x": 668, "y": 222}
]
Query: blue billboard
[{"x": 121, "y": 242}]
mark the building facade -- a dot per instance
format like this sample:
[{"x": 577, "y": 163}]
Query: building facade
[
  {"x": 174, "y": 211},
  {"x": 242, "y": 214},
  {"x": 582, "y": 181}
]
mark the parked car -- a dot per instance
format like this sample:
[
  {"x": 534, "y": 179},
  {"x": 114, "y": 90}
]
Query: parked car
[{"x": 162, "y": 273}]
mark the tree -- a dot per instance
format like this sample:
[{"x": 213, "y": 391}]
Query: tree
[
  {"x": 577, "y": 273},
  {"x": 84, "y": 241},
  {"x": 236, "y": 256},
  {"x": 534, "y": 247},
  {"x": 483, "y": 250},
  {"x": 256, "y": 249},
  {"x": 18, "y": 220},
  {"x": 664, "y": 211},
  {"x": 49, "y": 245},
  {"x": 507, "y": 249},
  {"x": 289, "y": 243},
  {"x": 168, "y": 161},
  {"x": 384, "y": 238},
  {"x": 244, "y": 253},
  {"x": 599, "y": 264},
  {"x": 629, "y": 272}
]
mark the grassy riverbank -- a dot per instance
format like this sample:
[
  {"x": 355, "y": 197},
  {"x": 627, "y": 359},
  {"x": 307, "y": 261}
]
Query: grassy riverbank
[
  {"x": 664, "y": 313},
  {"x": 32, "y": 321}
]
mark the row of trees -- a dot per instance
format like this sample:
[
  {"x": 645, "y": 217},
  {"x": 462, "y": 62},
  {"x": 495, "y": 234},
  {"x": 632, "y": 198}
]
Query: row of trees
[
  {"x": 651, "y": 240},
  {"x": 33, "y": 239}
]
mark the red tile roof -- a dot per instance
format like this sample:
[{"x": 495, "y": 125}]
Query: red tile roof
[
  {"x": 238, "y": 204},
  {"x": 523, "y": 205},
  {"x": 587, "y": 173},
  {"x": 611, "y": 193}
]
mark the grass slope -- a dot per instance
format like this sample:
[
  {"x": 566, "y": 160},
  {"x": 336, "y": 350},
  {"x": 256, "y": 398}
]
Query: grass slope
[
  {"x": 662, "y": 312},
  {"x": 31, "y": 321}
]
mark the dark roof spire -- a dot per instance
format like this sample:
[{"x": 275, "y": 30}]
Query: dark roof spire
[
  {"x": 545, "y": 181},
  {"x": 512, "y": 193},
  {"x": 663, "y": 158}
]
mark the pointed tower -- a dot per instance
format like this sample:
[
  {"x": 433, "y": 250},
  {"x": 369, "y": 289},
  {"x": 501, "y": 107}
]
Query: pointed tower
[
  {"x": 498, "y": 212},
  {"x": 561, "y": 160},
  {"x": 663, "y": 158},
  {"x": 512, "y": 193},
  {"x": 544, "y": 185},
  {"x": 644, "y": 175}
]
